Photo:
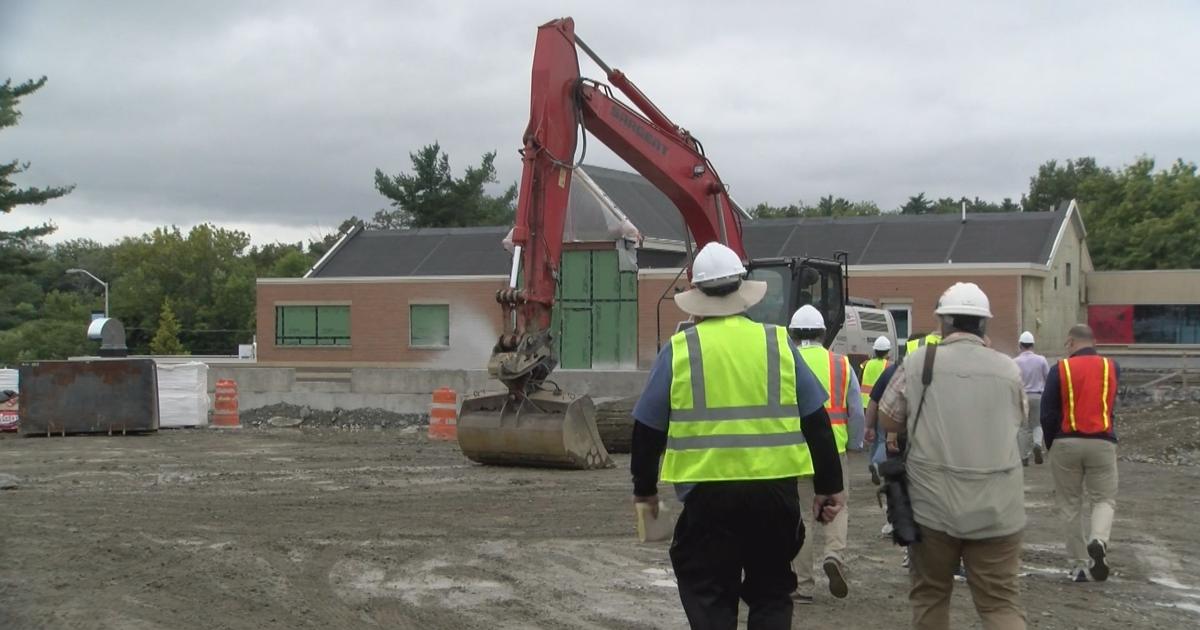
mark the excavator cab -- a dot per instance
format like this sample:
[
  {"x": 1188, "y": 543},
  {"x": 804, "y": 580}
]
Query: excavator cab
[{"x": 794, "y": 282}]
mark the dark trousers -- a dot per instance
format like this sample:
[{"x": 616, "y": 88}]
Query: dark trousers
[{"x": 734, "y": 540}]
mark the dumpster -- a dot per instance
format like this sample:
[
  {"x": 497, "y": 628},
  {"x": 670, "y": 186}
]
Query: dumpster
[{"x": 111, "y": 396}]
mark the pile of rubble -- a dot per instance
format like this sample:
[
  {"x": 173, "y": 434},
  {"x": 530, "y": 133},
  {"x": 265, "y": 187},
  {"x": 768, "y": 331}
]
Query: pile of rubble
[
  {"x": 1167, "y": 433},
  {"x": 285, "y": 415}
]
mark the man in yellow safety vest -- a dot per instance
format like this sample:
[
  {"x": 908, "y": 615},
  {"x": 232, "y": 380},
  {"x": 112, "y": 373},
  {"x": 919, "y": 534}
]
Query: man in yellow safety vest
[
  {"x": 931, "y": 339},
  {"x": 846, "y": 414},
  {"x": 872, "y": 369},
  {"x": 737, "y": 419}
]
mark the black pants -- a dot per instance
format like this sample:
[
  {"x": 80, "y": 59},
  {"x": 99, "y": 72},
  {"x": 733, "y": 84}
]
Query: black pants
[{"x": 728, "y": 529}]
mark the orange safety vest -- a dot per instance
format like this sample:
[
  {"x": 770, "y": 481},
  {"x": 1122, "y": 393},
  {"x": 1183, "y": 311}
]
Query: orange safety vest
[
  {"x": 1089, "y": 391},
  {"x": 833, "y": 372}
]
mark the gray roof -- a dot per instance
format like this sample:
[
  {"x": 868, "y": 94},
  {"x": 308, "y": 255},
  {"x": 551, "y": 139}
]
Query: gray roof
[
  {"x": 1012, "y": 237},
  {"x": 646, "y": 206},
  {"x": 425, "y": 252},
  {"x": 991, "y": 237}
]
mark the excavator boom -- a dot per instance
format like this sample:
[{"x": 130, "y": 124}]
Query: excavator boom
[{"x": 531, "y": 424}]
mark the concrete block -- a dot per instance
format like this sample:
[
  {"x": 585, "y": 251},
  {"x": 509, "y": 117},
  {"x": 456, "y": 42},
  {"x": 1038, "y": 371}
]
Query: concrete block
[
  {"x": 254, "y": 379},
  {"x": 321, "y": 386},
  {"x": 415, "y": 380}
]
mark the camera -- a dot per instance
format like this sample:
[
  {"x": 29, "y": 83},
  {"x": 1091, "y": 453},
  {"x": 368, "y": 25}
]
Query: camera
[{"x": 899, "y": 507}]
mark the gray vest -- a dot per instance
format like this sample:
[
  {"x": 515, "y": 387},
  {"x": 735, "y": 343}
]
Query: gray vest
[{"x": 965, "y": 475}]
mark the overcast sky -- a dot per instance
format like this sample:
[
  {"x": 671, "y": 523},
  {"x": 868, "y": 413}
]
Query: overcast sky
[{"x": 272, "y": 116}]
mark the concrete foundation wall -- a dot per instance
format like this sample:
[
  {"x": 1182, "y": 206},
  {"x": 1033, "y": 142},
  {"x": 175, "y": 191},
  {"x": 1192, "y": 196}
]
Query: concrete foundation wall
[
  {"x": 399, "y": 390},
  {"x": 1164, "y": 286}
]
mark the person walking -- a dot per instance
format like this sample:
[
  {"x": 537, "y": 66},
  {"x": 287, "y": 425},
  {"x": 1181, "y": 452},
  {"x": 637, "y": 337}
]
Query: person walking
[
  {"x": 919, "y": 341},
  {"x": 1034, "y": 369},
  {"x": 845, "y": 410},
  {"x": 1078, "y": 424},
  {"x": 872, "y": 369},
  {"x": 737, "y": 419},
  {"x": 964, "y": 472}
]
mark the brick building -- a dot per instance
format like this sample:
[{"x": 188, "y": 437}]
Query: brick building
[{"x": 426, "y": 297}]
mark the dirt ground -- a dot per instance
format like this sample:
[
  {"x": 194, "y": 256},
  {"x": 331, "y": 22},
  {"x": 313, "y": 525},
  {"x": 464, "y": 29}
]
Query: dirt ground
[{"x": 283, "y": 528}]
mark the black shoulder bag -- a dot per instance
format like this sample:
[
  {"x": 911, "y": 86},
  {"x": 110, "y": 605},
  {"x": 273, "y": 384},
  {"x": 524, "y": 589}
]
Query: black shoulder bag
[{"x": 895, "y": 473}]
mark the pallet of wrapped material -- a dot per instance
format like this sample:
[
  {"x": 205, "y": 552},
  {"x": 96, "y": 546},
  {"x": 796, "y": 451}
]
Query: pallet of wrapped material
[
  {"x": 10, "y": 409},
  {"x": 615, "y": 422},
  {"x": 182, "y": 394}
]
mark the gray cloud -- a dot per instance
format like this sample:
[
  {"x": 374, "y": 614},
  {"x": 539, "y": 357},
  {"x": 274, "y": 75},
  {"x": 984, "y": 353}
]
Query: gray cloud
[{"x": 276, "y": 114}]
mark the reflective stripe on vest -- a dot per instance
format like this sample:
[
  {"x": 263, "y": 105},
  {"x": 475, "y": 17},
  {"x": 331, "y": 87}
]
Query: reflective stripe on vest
[
  {"x": 833, "y": 371},
  {"x": 872, "y": 370},
  {"x": 1090, "y": 387},
  {"x": 734, "y": 414}
]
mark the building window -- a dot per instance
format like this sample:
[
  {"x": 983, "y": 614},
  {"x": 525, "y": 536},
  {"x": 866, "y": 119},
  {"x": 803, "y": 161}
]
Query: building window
[
  {"x": 902, "y": 315},
  {"x": 429, "y": 325},
  {"x": 312, "y": 325},
  {"x": 1068, "y": 274}
]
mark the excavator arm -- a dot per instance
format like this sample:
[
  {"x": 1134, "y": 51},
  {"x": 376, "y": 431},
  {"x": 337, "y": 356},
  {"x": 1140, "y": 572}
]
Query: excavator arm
[
  {"x": 665, "y": 154},
  {"x": 532, "y": 423}
]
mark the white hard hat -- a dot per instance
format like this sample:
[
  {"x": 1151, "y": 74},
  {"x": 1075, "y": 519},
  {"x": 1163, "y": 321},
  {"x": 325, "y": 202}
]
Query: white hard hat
[
  {"x": 716, "y": 262},
  {"x": 882, "y": 344},
  {"x": 718, "y": 270},
  {"x": 807, "y": 317},
  {"x": 1026, "y": 338},
  {"x": 964, "y": 298}
]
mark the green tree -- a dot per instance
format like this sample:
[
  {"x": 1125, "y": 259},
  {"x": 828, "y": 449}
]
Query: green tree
[
  {"x": 22, "y": 254},
  {"x": 1137, "y": 217},
  {"x": 166, "y": 338},
  {"x": 60, "y": 332},
  {"x": 10, "y": 195},
  {"x": 1055, "y": 184},
  {"x": 431, "y": 196},
  {"x": 292, "y": 264},
  {"x": 827, "y": 206},
  {"x": 917, "y": 204},
  {"x": 206, "y": 274}
]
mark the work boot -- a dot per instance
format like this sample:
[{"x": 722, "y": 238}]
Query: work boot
[
  {"x": 1037, "y": 455},
  {"x": 1098, "y": 552},
  {"x": 837, "y": 580}
]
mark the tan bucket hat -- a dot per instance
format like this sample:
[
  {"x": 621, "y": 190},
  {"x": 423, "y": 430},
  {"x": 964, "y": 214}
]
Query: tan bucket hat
[{"x": 696, "y": 302}]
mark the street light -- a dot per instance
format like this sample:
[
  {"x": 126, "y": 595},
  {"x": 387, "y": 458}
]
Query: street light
[{"x": 103, "y": 283}]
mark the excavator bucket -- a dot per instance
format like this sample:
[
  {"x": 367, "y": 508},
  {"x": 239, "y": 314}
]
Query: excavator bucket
[{"x": 544, "y": 430}]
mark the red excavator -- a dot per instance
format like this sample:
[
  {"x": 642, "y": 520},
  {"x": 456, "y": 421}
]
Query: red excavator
[{"x": 535, "y": 423}]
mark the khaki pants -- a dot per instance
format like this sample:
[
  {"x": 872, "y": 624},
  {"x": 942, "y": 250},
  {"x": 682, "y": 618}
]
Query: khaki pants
[
  {"x": 991, "y": 565},
  {"x": 1084, "y": 466},
  {"x": 833, "y": 536},
  {"x": 1030, "y": 433}
]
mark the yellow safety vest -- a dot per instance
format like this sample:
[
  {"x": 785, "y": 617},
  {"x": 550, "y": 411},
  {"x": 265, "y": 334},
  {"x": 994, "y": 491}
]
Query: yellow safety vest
[
  {"x": 833, "y": 370},
  {"x": 734, "y": 414},
  {"x": 932, "y": 339},
  {"x": 872, "y": 369}
]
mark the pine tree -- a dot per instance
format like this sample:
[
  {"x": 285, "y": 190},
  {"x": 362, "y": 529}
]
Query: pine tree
[
  {"x": 166, "y": 338},
  {"x": 10, "y": 195}
]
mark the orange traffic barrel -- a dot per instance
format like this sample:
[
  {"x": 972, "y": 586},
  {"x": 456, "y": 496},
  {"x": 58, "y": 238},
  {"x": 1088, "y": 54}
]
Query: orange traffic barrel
[
  {"x": 443, "y": 415},
  {"x": 225, "y": 405}
]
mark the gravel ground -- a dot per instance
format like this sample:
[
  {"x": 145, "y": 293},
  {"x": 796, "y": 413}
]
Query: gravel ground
[{"x": 285, "y": 528}]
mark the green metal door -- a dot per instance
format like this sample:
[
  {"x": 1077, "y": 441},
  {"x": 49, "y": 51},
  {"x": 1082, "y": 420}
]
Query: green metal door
[{"x": 595, "y": 320}]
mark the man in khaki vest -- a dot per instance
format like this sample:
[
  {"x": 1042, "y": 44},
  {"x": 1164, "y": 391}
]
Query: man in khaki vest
[{"x": 964, "y": 470}]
